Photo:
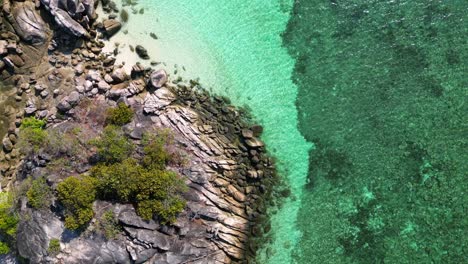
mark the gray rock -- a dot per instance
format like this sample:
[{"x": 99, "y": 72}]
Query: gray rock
[
  {"x": 32, "y": 236},
  {"x": 79, "y": 69},
  {"x": 39, "y": 88},
  {"x": 30, "y": 109},
  {"x": 88, "y": 85},
  {"x": 130, "y": 218},
  {"x": 42, "y": 114},
  {"x": 93, "y": 76},
  {"x": 246, "y": 133},
  {"x": 7, "y": 144},
  {"x": 108, "y": 78},
  {"x": 158, "y": 78},
  {"x": 160, "y": 99},
  {"x": 64, "y": 105},
  {"x": 64, "y": 20},
  {"x": 74, "y": 98},
  {"x": 28, "y": 23},
  {"x": 111, "y": 26},
  {"x": 8, "y": 259},
  {"x": 119, "y": 75},
  {"x": 44, "y": 93},
  {"x": 254, "y": 143},
  {"x": 103, "y": 86},
  {"x": 153, "y": 238},
  {"x": 144, "y": 255},
  {"x": 80, "y": 89},
  {"x": 94, "y": 251}
]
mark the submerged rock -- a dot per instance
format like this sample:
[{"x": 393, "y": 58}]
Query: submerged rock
[{"x": 142, "y": 52}]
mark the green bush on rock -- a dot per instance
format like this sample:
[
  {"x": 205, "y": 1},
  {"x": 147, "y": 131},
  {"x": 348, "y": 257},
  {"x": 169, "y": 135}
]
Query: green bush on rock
[
  {"x": 8, "y": 222},
  {"x": 32, "y": 134},
  {"x": 155, "y": 192},
  {"x": 156, "y": 156},
  {"x": 39, "y": 194},
  {"x": 54, "y": 246},
  {"x": 120, "y": 115},
  {"x": 113, "y": 146},
  {"x": 108, "y": 225},
  {"x": 77, "y": 196}
]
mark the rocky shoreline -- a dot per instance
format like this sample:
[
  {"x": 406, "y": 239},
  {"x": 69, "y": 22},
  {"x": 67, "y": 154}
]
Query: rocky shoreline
[{"x": 52, "y": 52}]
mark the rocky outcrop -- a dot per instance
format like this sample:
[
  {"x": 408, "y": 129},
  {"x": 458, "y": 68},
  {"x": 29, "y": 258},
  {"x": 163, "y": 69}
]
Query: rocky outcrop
[
  {"x": 64, "y": 20},
  {"x": 158, "y": 78},
  {"x": 34, "y": 234},
  {"x": 72, "y": 15},
  {"x": 28, "y": 23}
]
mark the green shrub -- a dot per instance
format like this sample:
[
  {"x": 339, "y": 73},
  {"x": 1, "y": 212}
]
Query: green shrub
[
  {"x": 120, "y": 115},
  {"x": 32, "y": 134},
  {"x": 155, "y": 152},
  {"x": 113, "y": 146},
  {"x": 32, "y": 122},
  {"x": 39, "y": 194},
  {"x": 4, "y": 248},
  {"x": 108, "y": 225},
  {"x": 54, "y": 246},
  {"x": 155, "y": 192},
  {"x": 8, "y": 222},
  {"x": 159, "y": 195},
  {"x": 77, "y": 196}
]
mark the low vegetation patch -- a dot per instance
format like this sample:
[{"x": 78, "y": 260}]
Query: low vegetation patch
[
  {"x": 113, "y": 146},
  {"x": 109, "y": 225},
  {"x": 120, "y": 115},
  {"x": 77, "y": 194},
  {"x": 54, "y": 246},
  {"x": 123, "y": 172},
  {"x": 8, "y": 222},
  {"x": 39, "y": 194},
  {"x": 32, "y": 135},
  {"x": 154, "y": 192}
]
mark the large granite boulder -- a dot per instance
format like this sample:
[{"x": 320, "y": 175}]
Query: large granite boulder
[
  {"x": 158, "y": 78},
  {"x": 92, "y": 251},
  {"x": 64, "y": 20},
  {"x": 73, "y": 15},
  {"x": 130, "y": 218},
  {"x": 34, "y": 234},
  {"x": 28, "y": 23}
]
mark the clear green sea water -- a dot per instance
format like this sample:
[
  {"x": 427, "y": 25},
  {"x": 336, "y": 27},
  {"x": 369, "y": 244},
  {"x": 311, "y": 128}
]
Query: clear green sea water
[{"x": 364, "y": 104}]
